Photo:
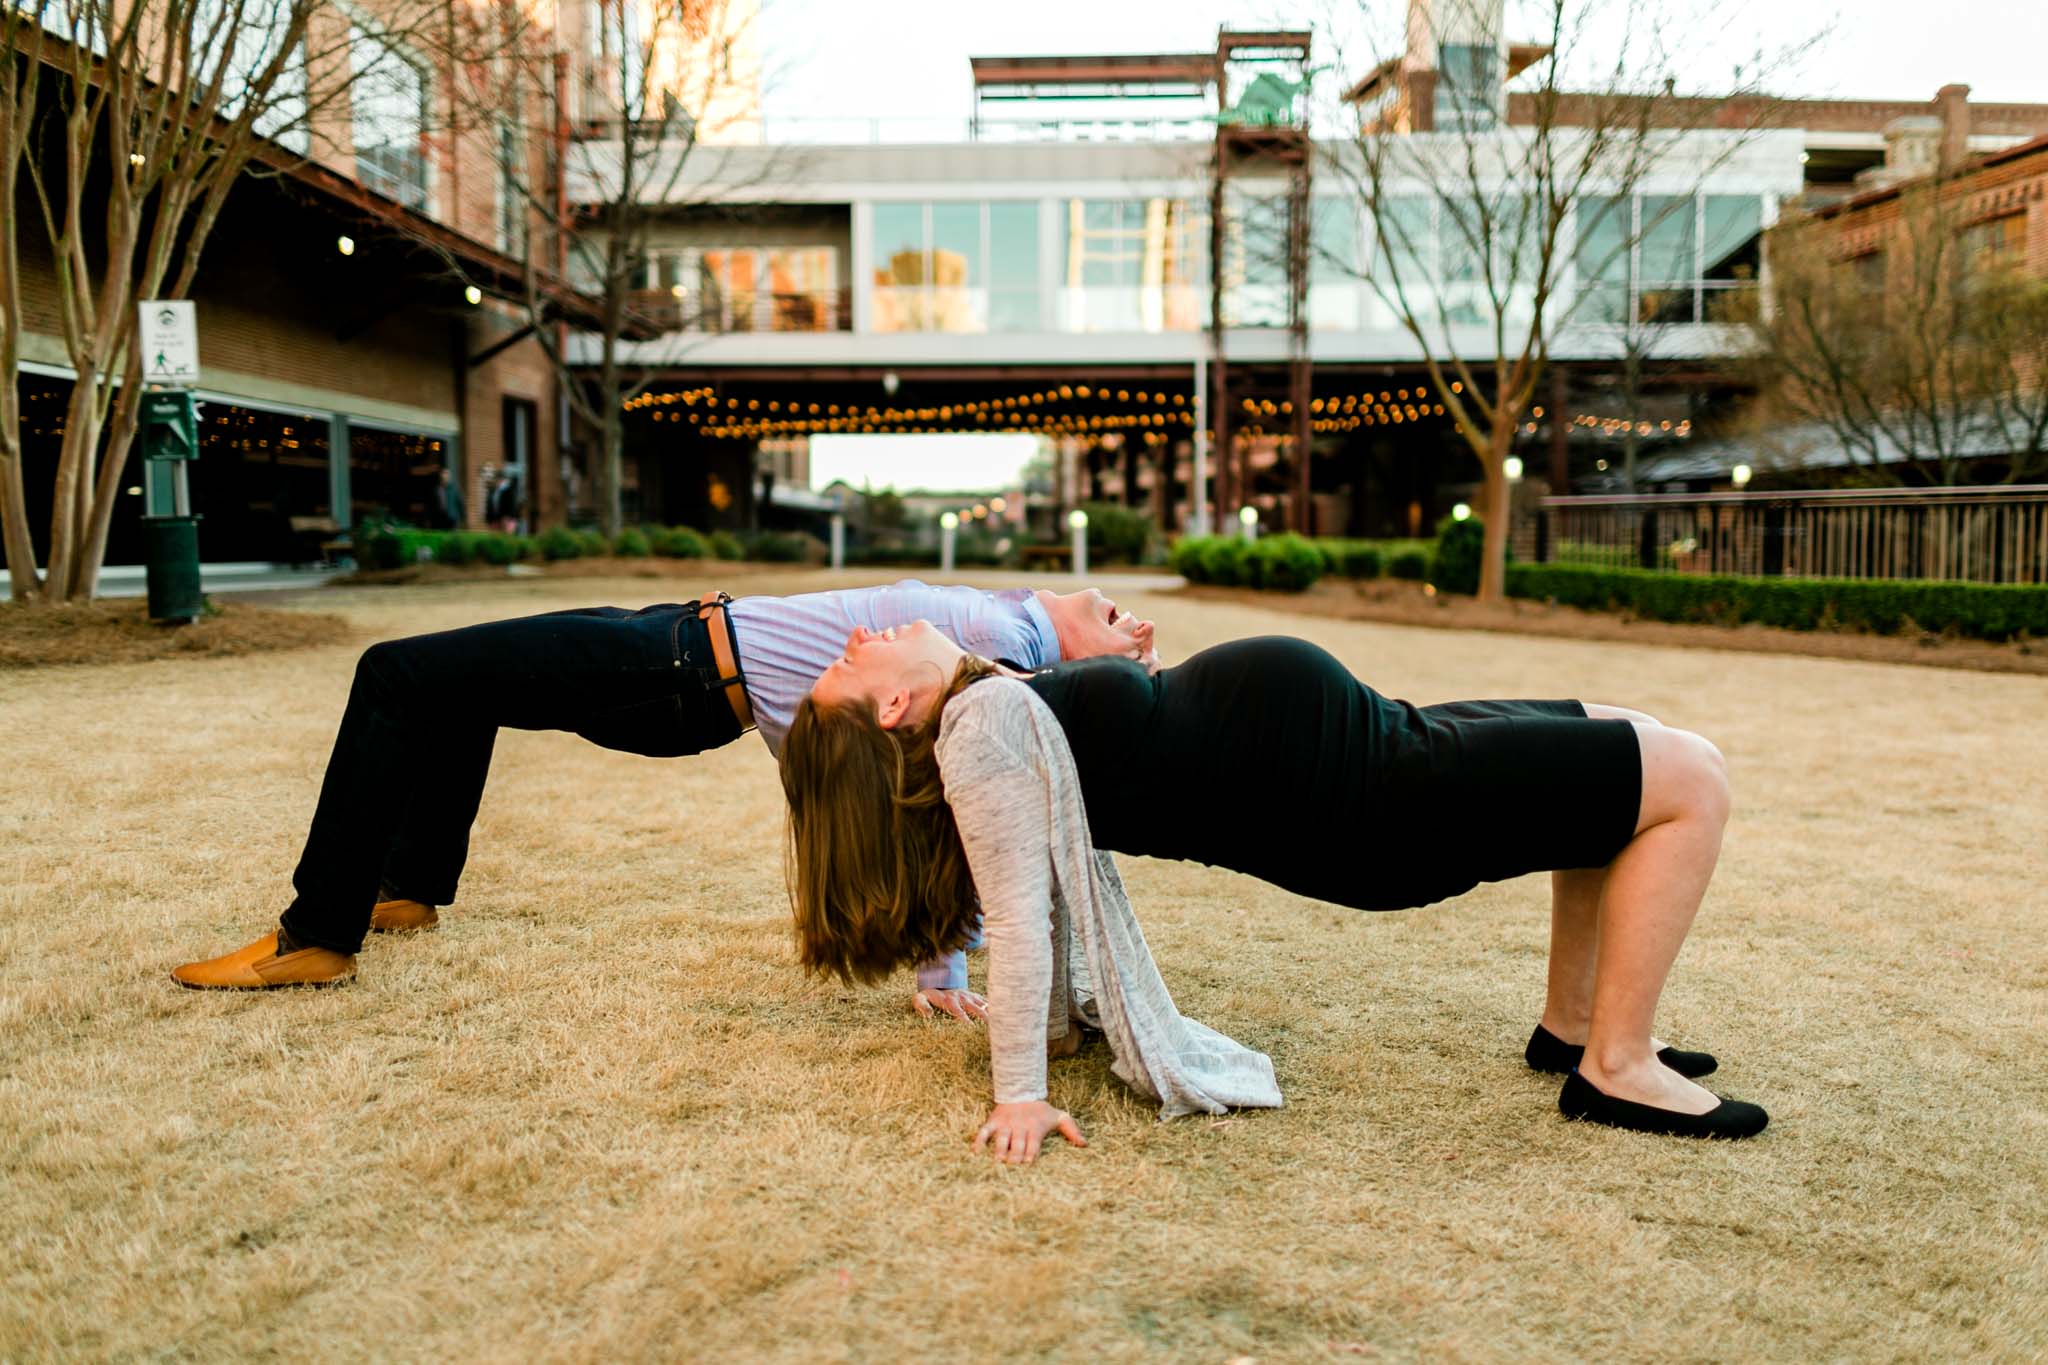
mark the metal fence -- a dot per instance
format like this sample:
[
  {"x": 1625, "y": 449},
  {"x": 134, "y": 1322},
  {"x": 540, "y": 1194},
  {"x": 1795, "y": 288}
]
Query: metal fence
[{"x": 1975, "y": 535}]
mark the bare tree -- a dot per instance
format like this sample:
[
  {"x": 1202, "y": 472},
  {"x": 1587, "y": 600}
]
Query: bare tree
[
  {"x": 1920, "y": 345},
  {"x": 618, "y": 137},
  {"x": 1507, "y": 201},
  {"x": 169, "y": 102}
]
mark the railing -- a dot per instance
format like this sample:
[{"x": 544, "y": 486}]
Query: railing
[
  {"x": 821, "y": 310},
  {"x": 859, "y": 131},
  {"x": 1977, "y": 535}
]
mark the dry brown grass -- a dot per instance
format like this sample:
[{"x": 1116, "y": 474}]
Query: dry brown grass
[
  {"x": 120, "y": 632},
  {"x": 598, "y": 1115}
]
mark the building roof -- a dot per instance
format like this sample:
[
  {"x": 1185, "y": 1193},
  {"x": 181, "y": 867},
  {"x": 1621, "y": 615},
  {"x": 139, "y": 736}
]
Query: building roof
[{"x": 2036, "y": 146}]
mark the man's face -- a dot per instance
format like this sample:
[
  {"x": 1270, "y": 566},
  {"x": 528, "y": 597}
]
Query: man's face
[{"x": 1089, "y": 625}]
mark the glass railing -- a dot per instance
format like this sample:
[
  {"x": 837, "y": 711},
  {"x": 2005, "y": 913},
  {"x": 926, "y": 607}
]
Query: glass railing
[{"x": 823, "y": 310}]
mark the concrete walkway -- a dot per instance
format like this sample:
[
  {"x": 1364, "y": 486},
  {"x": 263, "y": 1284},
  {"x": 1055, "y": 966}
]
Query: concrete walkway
[{"x": 128, "y": 580}]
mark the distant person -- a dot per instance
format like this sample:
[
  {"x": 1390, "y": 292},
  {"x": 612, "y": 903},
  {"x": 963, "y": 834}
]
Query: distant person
[
  {"x": 503, "y": 506},
  {"x": 927, "y": 790},
  {"x": 448, "y": 510},
  {"x": 391, "y": 831}
]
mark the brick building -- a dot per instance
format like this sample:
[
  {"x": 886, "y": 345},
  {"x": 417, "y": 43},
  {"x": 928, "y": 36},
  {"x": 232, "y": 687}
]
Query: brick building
[{"x": 363, "y": 303}]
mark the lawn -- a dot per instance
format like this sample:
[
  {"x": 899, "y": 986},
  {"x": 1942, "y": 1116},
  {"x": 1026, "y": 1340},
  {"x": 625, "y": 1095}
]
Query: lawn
[{"x": 599, "y": 1115}]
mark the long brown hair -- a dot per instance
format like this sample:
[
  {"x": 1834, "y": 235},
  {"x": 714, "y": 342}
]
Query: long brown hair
[{"x": 877, "y": 876}]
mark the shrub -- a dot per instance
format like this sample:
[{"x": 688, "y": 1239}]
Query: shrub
[
  {"x": 1980, "y": 610},
  {"x": 595, "y": 546},
  {"x": 777, "y": 548},
  {"x": 559, "y": 542},
  {"x": 1460, "y": 550},
  {"x": 1283, "y": 563},
  {"x": 677, "y": 542},
  {"x": 1117, "y": 534},
  {"x": 495, "y": 547},
  {"x": 726, "y": 545},
  {"x": 1185, "y": 558},
  {"x": 457, "y": 547},
  {"x": 1410, "y": 564},
  {"x": 1223, "y": 561},
  {"x": 1361, "y": 559},
  {"x": 631, "y": 544}
]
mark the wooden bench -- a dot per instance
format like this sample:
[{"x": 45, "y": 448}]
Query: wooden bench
[{"x": 1055, "y": 557}]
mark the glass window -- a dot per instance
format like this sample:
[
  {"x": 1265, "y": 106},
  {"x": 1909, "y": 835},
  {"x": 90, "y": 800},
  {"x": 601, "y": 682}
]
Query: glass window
[
  {"x": 1256, "y": 278},
  {"x": 387, "y": 118},
  {"x": 901, "y": 266},
  {"x": 1666, "y": 259},
  {"x": 956, "y": 302},
  {"x": 1333, "y": 265},
  {"x": 1133, "y": 265},
  {"x": 1013, "y": 267},
  {"x": 1665, "y": 253},
  {"x": 1601, "y": 260},
  {"x": 1468, "y": 86}
]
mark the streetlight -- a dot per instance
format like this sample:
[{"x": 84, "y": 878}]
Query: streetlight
[
  {"x": 1077, "y": 526},
  {"x": 1462, "y": 512},
  {"x": 1740, "y": 475},
  {"x": 345, "y": 245},
  {"x": 473, "y": 296},
  {"x": 1248, "y": 522},
  {"x": 890, "y": 383},
  {"x": 1512, "y": 467}
]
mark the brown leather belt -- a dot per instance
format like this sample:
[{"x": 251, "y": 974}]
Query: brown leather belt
[{"x": 711, "y": 610}]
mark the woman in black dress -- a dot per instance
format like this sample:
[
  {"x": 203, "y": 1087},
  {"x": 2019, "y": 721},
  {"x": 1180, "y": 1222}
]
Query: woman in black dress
[{"x": 1267, "y": 757}]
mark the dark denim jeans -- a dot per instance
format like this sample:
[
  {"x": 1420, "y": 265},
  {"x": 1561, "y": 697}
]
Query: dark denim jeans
[{"x": 408, "y": 767}]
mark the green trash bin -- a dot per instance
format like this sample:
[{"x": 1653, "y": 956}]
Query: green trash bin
[{"x": 170, "y": 556}]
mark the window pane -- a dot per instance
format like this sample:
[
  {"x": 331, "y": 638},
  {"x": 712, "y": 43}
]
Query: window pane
[
  {"x": 1667, "y": 241},
  {"x": 957, "y": 303},
  {"x": 1728, "y": 247},
  {"x": 1404, "y": 243},
  {"x": 1601, "y": 259},
  {"x": 1013, "y": 267},
  {"x": 900, "y": 265}
]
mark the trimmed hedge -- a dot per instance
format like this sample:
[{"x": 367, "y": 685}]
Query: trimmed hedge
[
  {"x": 1283, "y": 563},
  {"x": 726, "y": 545},
  {"x": 678, "y": 542},
  {"x": 1980, "y": 610},
  {"x": 631, "y": 544}
]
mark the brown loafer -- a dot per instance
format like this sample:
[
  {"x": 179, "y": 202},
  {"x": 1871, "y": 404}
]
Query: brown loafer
[
  {"x": 402, "y": 917},
  {"x": 260, "y": 967}
]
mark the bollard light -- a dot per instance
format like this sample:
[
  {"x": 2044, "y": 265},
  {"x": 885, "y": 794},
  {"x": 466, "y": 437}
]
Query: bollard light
[
  {"x": 1740, "y": 475},
  {"x": 1462, "y": 512},
  {"x": 1248, "y": 522},
  {"x": 1077, "y": 519},
  {"x": 1512, "y": 467},
  {"x": 948, "y": 525},
  {"x": 950, "y": 520},
  {"x": 1077, "y": 526}
]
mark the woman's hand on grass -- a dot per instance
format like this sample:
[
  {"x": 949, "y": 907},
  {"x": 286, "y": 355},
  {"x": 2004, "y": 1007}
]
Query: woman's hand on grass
[
  {"x": 1015, "y": 1132},
  {"x": 963, "y": 1005}
]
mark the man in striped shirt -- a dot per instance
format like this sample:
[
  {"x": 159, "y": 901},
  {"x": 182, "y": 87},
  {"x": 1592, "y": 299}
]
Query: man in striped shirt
[{"x": 390, "y": 833}]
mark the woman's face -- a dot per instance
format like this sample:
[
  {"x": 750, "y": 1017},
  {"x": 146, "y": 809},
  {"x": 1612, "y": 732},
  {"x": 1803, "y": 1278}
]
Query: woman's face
[{"x": 900, "y": 672}]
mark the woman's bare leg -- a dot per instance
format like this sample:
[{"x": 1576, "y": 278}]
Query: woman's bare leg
[
  {"x": 1575, "y": 927},
  {"x": 1650, "y": 894}
]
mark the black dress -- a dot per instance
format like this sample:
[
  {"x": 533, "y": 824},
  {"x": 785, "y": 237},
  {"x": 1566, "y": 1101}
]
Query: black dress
[{"x": 1267, "y": 757}]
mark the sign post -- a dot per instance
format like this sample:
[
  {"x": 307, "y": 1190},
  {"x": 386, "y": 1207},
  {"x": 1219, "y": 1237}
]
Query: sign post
[{"x": 169, "y": 338}]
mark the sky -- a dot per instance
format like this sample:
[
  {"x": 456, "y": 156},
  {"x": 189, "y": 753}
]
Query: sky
[{"x": 841, "y": 59}]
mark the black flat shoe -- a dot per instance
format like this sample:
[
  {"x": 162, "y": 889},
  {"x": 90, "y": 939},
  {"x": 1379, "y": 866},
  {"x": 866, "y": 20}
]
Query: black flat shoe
[
  {"x": 1548, "y": 1052},
  {"x": 1581, "y": 1099}
]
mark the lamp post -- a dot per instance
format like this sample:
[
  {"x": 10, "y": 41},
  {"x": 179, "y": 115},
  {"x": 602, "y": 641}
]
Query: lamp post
[
  {"x": 1740, "y": 476},
  {"x": 1077, "y": 527},
  {"x": 838, "y": 540},
  {"x": 1248, "y": 522},
  {"x": 949, "y": 524}
]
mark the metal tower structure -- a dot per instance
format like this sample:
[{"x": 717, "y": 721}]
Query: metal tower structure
[{"x": 1263, "y": 130}]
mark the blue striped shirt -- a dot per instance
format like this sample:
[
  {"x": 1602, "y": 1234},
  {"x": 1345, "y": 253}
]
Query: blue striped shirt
[{"x": 786, "y": 642}]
